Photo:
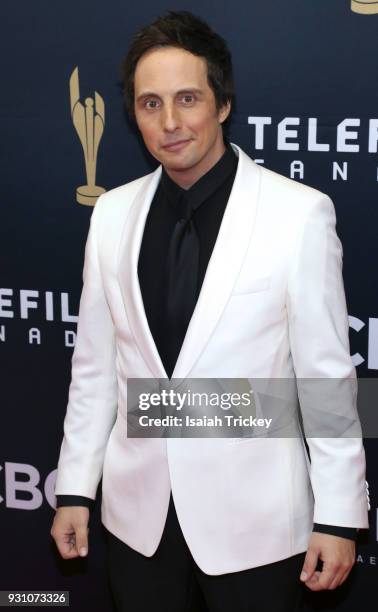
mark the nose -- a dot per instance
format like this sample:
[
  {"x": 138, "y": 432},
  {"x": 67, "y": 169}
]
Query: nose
[{"x": 170, "y": 118}]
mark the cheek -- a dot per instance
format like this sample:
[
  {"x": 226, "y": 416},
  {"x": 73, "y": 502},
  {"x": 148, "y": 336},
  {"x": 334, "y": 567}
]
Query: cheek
[
  {"x": 200, "y": 129},
  {"x": 205, "y": 125},
  {"x": 148, "y": 131}
]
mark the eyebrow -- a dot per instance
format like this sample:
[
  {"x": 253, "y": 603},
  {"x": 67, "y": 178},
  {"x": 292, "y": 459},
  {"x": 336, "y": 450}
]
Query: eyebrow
[{"x": 147, "y": 94}]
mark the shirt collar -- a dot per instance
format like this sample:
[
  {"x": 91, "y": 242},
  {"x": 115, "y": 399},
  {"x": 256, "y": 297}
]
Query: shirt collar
[{"x": 206, "y": 186}]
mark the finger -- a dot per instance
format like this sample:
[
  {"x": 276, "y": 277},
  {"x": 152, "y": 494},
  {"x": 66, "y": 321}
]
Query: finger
[
  {"x": 345, "y": 576},
  {"x": 336, "y": 580},
  {"x": 327, "y": 576},
  {"x": 313, "y": 581},
  {"x": 66, "y": 546},
  {"x": 309, "y": 565},
  {"x": 341, "y": 577},
  {"x": 65, "y": 542},
  {"x": 81, "y": 535}
]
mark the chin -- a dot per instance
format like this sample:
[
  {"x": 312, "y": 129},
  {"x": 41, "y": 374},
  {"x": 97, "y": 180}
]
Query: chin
[
  {"x": 176, "y": 164},
  {"x": 178, "y": 167}
]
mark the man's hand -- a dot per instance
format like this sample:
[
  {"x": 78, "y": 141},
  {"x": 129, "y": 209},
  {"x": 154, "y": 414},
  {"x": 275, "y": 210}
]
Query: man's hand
[
  {"x": 70, "y": 531},
  {"x": 338, "y": 556}
]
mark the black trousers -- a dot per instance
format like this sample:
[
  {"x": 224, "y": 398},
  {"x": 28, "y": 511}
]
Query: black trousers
[{"x": 171, "y": 581}]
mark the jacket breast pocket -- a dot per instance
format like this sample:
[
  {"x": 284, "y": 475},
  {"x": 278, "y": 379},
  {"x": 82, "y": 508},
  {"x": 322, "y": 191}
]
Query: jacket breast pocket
[{"x": 245, "y": 286}]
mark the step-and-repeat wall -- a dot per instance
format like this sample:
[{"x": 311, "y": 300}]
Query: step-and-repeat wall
[{"x": 307, "y": 107}]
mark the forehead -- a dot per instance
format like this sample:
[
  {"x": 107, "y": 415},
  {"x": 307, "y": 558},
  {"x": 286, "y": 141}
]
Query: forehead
[{"x": 169, "y": 68}]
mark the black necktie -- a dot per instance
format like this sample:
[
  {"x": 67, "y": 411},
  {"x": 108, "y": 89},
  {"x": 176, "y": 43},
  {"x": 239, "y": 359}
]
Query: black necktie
[{"x": 182, "y": 279}]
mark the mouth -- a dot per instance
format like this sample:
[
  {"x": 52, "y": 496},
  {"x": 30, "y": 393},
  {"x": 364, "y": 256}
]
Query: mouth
[{"x": 176, "y": 146}]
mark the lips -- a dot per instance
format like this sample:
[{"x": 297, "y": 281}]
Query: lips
[{"x": 176, "y": 146}]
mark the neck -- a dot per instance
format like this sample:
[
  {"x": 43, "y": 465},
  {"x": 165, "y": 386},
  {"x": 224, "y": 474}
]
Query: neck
[{"x": 187, "y": 177}]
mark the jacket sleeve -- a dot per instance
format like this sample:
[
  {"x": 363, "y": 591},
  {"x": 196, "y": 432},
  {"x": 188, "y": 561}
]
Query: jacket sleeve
[
  {"x": 319, "y": 341},
  {"x": 92, "y": 399}
]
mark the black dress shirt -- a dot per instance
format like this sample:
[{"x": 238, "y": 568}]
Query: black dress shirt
[{"x": 209, "y": 195}]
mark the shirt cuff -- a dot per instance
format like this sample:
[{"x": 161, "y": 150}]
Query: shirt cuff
[
  {"x": 350, "y": 533},
  {"x": 74, "y": 500}
]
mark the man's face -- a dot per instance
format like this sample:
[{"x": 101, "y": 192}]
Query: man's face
[{"x": 176, "y": 113}]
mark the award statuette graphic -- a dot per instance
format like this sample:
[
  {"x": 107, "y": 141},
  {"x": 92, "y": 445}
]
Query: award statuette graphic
[
  {"x": 89, "y": 121},
  {"x": 365, "y": 7}
]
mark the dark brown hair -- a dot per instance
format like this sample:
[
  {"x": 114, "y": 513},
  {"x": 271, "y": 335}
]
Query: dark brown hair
[{"x": 182, "y": 29}]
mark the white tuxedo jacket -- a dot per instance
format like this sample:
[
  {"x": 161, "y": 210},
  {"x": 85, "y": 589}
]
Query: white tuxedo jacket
[{"x": 272, "y": 305}]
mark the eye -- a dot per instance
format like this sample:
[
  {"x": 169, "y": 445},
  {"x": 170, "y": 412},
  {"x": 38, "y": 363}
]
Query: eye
[
  {"x": 151, "y": 104},
  {"x": 187, "y": 99}
]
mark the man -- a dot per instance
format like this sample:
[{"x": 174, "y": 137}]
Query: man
[{"x": 211, "y": 266}]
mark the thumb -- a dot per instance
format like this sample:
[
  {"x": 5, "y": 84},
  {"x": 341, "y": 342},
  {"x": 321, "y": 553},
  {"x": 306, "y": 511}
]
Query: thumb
[
  {"x": 309, "y": 565},
  {"x": 81, "y": 538}
]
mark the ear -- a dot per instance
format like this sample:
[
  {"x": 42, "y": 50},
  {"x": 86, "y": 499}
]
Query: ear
[{"x": 224, "y": 112}]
